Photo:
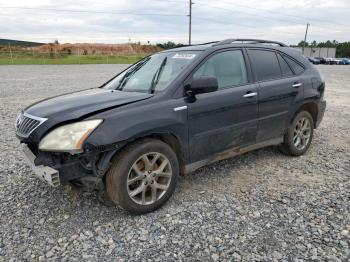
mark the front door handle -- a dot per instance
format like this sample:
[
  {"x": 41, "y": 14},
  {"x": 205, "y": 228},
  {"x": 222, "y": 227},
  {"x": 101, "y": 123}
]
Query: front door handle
[
  {"x": 252, "y": 94},
  {"x": 297, "y": 84}
]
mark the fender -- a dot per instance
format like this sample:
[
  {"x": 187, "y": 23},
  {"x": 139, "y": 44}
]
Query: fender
[
  {"x": 127, "y": 125},
  {"x": 307, "y": 104},
  {"x": 312, "y": 102}
]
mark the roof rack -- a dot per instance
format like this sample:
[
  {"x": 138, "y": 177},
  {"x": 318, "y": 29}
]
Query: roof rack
[
  {"x": 252, "y": 41},
  {"x": 207, "y": 43},
  {"x": 213, "y": 42}
]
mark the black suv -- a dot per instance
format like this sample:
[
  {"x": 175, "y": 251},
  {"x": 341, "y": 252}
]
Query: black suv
[{"x": 174, "y": 112}]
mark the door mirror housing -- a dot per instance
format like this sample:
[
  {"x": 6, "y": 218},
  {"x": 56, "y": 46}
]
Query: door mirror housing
[{"x": 204, "y": 84}]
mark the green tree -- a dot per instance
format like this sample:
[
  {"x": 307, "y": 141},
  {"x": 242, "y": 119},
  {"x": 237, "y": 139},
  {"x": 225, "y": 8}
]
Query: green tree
[
  {"x": 168, "y": 45},
  {"x": 342, "y": 49},
  {"x": 301, "y": 44}
]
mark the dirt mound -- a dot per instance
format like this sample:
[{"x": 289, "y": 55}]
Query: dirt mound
[{"x": 99, "y": 49}]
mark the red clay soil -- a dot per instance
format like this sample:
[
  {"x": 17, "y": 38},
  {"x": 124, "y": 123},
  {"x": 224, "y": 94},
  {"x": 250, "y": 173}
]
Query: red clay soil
[{"x": 99, "y": 49}]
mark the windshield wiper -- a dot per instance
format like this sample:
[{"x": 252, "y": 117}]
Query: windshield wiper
[
  {"x": 157, "y": 75},
  {"x": 127, "y": 75}
]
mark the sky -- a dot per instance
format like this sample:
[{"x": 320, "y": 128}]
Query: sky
[{"x": 122, "y": 21}]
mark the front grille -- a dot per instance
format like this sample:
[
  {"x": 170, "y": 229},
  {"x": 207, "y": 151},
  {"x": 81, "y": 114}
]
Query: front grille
[{"x": 26, "y": 124}]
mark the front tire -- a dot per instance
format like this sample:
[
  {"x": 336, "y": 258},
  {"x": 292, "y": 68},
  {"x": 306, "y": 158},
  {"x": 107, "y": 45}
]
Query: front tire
[
  {"x": 143, "y": 176},
  {"x": 299, "y": 135}
]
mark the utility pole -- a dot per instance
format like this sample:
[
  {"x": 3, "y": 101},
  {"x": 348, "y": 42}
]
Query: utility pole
[
  {"x": 11, "y": 52},
  {"x": 78, "y": 54},
  {"x": 190, "y": 23},
  {"x": 307, "y": 28}
]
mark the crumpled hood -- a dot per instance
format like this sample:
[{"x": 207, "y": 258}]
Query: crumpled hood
[{"x": 79, "y": 104}]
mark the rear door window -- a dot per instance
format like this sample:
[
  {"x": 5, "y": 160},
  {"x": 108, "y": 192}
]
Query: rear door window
[
  {"x": 266, "y": 64},
  {"x": 285, "y": 68}
]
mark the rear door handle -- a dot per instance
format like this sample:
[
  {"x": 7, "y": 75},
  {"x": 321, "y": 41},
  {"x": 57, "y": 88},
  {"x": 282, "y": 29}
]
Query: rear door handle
[
  {"x": 296, "y": 85},
  {"x": 250, "y": 94}
]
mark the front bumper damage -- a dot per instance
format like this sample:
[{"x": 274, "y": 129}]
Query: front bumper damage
[
  {"x": 45, "y": 173},
  {"x": 83, "y": 170}
]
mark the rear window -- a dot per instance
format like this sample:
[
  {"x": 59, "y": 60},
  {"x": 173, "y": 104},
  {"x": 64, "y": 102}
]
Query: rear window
[
  {"x": 298, "y": 69},
  {"x": 266, "y": 64}
]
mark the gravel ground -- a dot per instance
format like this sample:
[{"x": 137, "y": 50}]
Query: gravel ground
[{"x": 256, "y": 207}]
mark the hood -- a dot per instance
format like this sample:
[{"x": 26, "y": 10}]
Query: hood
[{"x": 79, "y": 104}]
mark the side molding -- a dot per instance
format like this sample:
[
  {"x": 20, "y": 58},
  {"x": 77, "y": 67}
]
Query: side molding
[{"x": 180, "y": 108}]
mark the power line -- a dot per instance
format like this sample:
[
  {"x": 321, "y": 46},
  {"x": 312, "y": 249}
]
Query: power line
[
  {"x": 89, "y": 11},
  {"x": 157, "y": 13},
  {"x": 275, "y": 12},
  {"x": 269, "y": 18},
  {"x": 278, "y": 32},
  {"x": 255, "y": 14},
  {"x": 237, "y": 24},
  {"x": 170, "y": 1},
  {"x": 136, "y": 13}
]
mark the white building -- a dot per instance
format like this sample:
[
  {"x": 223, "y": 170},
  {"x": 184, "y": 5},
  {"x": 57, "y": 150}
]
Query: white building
[{"x": 319, "y": 51}]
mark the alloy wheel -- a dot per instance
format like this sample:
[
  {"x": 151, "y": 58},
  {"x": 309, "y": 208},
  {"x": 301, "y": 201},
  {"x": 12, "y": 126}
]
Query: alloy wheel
[
  {"x": 149, "y": 178},
  {"x": 302, "y": 133}
]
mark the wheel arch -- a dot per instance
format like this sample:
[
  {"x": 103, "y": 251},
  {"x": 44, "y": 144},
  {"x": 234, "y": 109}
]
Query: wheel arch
[
  {"x": 168, "y": 138},
  {"x": 310, "y": 107},
  {"x": 171, "y": 140}
]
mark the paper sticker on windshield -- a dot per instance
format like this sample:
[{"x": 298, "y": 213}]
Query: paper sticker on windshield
[{"x": 184, "y": 56}]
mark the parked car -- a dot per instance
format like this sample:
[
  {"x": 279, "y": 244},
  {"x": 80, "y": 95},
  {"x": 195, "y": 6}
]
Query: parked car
[
  {"x": 174, "y": 112},
  {"x": 344, "y": 61},
  {"x": 328, "y": 61},
  {"x": 333, "y": 61},
  {"x": 337, "y": 61},
  {"x": 313, "y": 60},
  {"x": 323, "y": 60}
]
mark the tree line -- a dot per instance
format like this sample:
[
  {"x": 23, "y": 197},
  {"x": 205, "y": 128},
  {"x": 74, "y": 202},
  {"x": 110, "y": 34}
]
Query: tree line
[
  {"x": 169, "y": 45},
  {"x": 342, "y": 49}
]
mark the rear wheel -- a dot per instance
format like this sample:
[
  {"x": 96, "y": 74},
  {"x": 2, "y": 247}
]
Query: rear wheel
[
  {"x": 299, "y": 135},
  {"x": 143, "y": 176}
]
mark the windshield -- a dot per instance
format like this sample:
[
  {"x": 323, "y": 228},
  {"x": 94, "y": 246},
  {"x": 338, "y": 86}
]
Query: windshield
[{"x": 153, "y": 73}]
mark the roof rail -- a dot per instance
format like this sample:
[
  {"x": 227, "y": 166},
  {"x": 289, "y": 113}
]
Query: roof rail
[
  {"x": 207, "y": 43},
  {"x": 213, "y": 42},
  {"x": 253, "y": 41}
]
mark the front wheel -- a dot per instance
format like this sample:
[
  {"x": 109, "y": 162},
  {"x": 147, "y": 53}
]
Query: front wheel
[
  {"x": 299, "y": 135},
  {"x": 143, "y": 176}
]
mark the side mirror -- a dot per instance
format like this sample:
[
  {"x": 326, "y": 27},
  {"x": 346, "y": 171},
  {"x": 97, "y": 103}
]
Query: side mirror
[{"x": 204, "y": 84}]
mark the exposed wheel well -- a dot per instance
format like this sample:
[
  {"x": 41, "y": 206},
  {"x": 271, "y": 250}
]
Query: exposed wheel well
[
  {"x": 167, "y": 138},
  {"x": 311, "y": 108},
  {"x": 173, "y": 142},
  {"x": 170, "y": 139}
]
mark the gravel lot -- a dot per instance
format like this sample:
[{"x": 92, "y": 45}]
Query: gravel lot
[{"x": 256, "y": 207}]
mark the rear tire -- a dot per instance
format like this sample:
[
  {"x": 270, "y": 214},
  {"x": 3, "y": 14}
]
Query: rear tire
[
  {"x": 143, "y": 176},
  {"x": 299, "y": 135}
]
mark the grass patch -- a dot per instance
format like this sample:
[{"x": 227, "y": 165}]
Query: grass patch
[{"x": 38, "y": 59}]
